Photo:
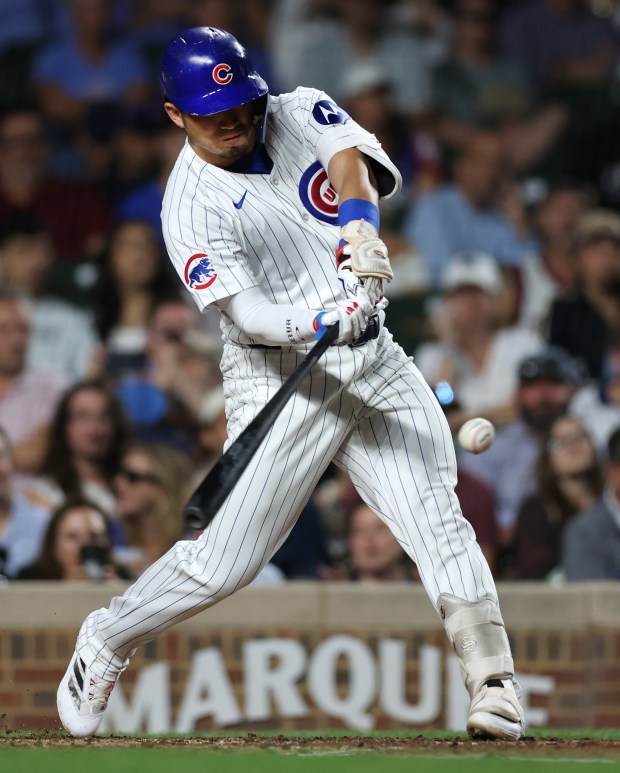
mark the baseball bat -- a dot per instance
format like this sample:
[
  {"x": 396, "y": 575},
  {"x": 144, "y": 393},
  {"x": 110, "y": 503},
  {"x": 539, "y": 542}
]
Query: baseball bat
[{"x": 221, "y": 479}]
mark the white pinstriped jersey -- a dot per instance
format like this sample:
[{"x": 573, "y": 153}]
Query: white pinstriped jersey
[
  {"x": 228, "y": 231},
  {"x": 366, "y": 408}
]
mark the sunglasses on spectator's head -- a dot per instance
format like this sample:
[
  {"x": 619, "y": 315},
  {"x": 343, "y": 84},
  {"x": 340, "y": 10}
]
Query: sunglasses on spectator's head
[{"x": 133, "y": 476}]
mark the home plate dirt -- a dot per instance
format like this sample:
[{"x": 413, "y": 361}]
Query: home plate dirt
[{"x": 549, "y": 746}]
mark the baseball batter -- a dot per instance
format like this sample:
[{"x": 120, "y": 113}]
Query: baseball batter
[{"x": 271, "y": 215}]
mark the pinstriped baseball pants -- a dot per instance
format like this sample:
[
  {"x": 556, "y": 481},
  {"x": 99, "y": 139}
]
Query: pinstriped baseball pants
[{"x": 370, "y": 411}]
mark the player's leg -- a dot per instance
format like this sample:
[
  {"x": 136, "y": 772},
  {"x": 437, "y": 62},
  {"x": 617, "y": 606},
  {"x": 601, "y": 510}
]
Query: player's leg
[
  {"x": 401, "y": 458},
  {"x": 248, "y": 529}
]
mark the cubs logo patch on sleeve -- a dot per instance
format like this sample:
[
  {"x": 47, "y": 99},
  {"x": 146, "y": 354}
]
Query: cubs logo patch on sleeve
[
  {"x": 327, "y": 113},
  {"x": 199, "y": 273},
  {"x": 317, "y": 194}
]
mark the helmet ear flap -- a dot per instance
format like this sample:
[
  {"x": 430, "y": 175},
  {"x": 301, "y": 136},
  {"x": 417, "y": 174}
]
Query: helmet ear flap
[{"x": 206, "y": 71}]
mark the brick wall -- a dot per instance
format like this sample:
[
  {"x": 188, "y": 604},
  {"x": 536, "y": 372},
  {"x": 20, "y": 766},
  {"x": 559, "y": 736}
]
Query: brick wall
[{"x": 578, "y": 647}]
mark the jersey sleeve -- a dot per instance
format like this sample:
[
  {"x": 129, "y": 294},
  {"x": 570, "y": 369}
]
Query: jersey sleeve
[
  {"x": 331, "y": 129},
  {"x": 203, "y": 241}
]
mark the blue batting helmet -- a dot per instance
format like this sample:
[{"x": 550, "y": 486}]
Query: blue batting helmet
[{"x": 205, "y": 71}]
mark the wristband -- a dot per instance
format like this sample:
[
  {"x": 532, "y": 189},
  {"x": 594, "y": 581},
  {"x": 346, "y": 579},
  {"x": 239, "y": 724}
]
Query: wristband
[
  {"x": 358, "y": 209},
  {"x": 319, "y": 327}
]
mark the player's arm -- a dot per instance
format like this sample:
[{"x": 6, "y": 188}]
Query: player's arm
[
  {"x": 362, "y": 258},
  {"x": 275, "y": 324}
]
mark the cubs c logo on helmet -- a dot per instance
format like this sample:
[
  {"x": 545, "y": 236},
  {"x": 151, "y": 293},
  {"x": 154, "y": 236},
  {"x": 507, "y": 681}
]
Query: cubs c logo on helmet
[
  {"x": 327, "y": 113},
  {"x": 199, "y": 273},
  {"x": 317, "y": 194},
  {"x": 222, "y": 73}
]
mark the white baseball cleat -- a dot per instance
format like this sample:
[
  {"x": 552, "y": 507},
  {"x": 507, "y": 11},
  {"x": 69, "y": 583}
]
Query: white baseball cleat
[
  {"x": 495, "y": 712},
  {"x": 82, "y": 699}
]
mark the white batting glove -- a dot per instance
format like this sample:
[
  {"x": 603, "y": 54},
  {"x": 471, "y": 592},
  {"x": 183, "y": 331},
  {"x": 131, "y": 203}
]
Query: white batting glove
[
  {"x": 351, "y": 317},
  {"x": 361, "y": 289},
  {"x": 369, "y": 256}
]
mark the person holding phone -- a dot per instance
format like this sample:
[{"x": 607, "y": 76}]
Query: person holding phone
[{"x": 76, "y": 546}]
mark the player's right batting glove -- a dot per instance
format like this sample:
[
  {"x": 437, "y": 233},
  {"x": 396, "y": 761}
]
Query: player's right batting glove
[
  {"x": 353, "y": 319},
  {"x": 360, "y": 241}
]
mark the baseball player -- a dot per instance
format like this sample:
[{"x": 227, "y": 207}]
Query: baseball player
[{"x": 271, "y": 215}]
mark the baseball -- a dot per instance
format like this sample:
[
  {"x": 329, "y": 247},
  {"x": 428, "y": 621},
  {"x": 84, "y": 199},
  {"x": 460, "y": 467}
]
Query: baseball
[{"x": 476, "y": 435}]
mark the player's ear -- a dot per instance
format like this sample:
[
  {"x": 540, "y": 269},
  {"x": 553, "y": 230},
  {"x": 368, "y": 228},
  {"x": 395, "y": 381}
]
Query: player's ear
[{"x": 174, "y": 114}]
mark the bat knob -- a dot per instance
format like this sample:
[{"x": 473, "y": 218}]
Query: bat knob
[{"x": 194, "y": 517}]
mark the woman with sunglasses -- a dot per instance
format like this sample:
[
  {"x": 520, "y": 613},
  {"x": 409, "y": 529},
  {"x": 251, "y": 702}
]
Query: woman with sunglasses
[
  {"x": 152, "y": 485},
  {"x": 570, "y": 479}
]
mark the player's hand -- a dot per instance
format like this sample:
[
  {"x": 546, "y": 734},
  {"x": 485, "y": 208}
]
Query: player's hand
[
  {"x": 360, "y": 241},
  {"x": 361, "y": 289},
  {"x": 352, "y": 318}
]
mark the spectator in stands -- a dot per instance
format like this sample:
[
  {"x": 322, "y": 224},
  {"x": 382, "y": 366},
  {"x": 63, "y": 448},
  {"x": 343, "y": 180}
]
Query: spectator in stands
[
  {"x": 358, "y": 32},
  {"x": 143, "y": 200},
  {"x": 63, "y": 336},
  {"x": 89, "y": 67},
  {"x": 550, "y": 270},
  {"x": 547, "y": 382},
  {"x": 560, "y": 42},
  {"x": 367, "y": 97},
  {"x": 88, "y": 434},
  {"x": 478, "y": 89},
  {"x": 164, "y": 399},
  {"x": 570, "y": 478},
  {"x": 474, "y": 494},
  {"x": 374, "y": 553},
  {"x": 597, "y": 403},
  {"x": 75, "y": 213},
  {"x": 28, "y": 397},
  {"x": 77, "y": 546},
  {"x": 22, "y": 524},
  {"x": 591, "y": 540},
  {"x": 247, "y": 20},
  {"x": 586, "y": 322},
  {"x": 152, "y": 486},
  {"x": 134, "y": 278},
  {"x": 474, "y": 354},
  {"x": 482, "y": 210}
]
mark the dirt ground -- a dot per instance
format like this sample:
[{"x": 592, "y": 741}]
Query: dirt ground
[{"x": 549, "y": 746}]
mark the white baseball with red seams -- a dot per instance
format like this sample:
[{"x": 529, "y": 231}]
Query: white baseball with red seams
[{"x": 476, "y": 435}]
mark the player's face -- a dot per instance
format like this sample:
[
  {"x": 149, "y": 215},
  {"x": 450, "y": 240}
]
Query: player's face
[{"x": 219, "y": 139}]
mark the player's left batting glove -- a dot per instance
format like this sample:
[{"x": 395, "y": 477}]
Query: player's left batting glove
[{"x": 352, "y": 317}]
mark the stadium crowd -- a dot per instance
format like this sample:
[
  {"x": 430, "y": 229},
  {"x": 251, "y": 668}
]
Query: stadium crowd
[{"x": 503, "y": 118}]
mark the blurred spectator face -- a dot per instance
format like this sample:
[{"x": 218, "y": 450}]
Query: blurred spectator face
[
  {"x": 543, "y": 400},
  {"x": 371, "y": 108},
  {"x": 473, "y": 22},
  {"x": 90, "y": 430},
  {"x": 557, "y": 216},
  {"x": 570, "y": 448},
  {"x": 363, "y": 16},
  {"x": 566, "y": 7},
  {"x": 169, "y": 324},
  {"x": 6, "y": 469},
  {"x": 214, "y": 13},
  {"x": 479, "y": 170},
  {"x": 90, "y": 16},
  {"x": 23, "y": 147},
  {"x": 598, "y": 264},
  {"x": 138, "y": 488},
  {"x": 14, "y": 336},
  {"x": 26, "y": 260},
  {"x": 134, "y": 255},
  {"x": 373, "y": 548},
  {"x": 79, "y": 526},
  {"x": 470, "y": 307}
]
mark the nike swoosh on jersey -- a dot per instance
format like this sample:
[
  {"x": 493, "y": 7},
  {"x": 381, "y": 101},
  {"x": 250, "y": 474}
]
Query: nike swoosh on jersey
[{"x": 239, "y": 203}]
